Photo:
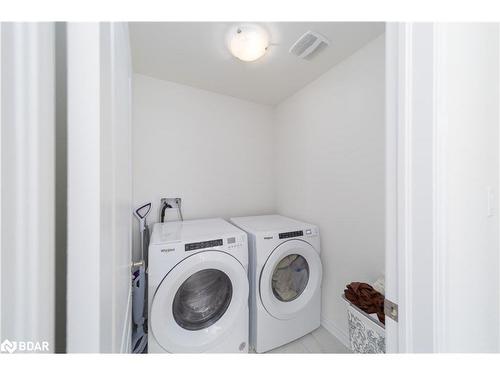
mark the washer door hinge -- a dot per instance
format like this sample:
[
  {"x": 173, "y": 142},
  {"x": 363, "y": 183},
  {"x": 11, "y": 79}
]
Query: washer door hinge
[{"x": 391, "y": 309}]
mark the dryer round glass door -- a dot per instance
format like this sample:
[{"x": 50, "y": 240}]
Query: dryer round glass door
[
  {"x": 290, "y": 278},
  {"x": 198, "y": 302}
]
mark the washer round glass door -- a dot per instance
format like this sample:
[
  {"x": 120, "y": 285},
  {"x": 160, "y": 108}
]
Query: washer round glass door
[
  {"x": 198, "y": 302},
  {"x": 290, "y": 278},
  {"x": 202, "y": 299}
]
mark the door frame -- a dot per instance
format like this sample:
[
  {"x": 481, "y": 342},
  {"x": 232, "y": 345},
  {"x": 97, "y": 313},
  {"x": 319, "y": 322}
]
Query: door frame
[
  {"x": 27, "y": 247},
  {"x": 99, "y": 216},
  {"x": 415, "y": 187}
]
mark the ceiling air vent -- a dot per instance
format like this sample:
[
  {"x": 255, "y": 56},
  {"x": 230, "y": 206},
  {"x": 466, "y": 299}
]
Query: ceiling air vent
[{"x": 309, "y": 45}]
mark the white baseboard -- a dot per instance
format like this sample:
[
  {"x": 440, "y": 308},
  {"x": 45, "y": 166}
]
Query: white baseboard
[{"x": 331, "y": 327}]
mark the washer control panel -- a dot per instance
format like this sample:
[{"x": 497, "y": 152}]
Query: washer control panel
[
  {"x": 235, "y": 242},
  {"x": 231, "y": 242},
  {"x": 203, "y": 245}
]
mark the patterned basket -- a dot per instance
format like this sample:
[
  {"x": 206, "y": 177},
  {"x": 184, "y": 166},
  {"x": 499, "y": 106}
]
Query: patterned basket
[{"x": 366, "y": 334}]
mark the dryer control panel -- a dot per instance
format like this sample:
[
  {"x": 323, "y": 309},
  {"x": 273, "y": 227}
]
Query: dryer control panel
[
  {"x": 308, "y": 232},
  {"x": 296, "y": 233}
]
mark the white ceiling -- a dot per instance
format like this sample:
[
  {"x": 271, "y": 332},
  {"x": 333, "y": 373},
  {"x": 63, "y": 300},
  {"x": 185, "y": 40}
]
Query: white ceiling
[{"x": 195, "y": 54}]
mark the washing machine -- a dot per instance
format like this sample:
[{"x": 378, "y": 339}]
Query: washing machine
[
  {"x": 198, "y": 288},
  {"x": 285, "y": 274}
]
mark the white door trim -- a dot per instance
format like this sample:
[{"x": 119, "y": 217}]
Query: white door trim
[
  {"x": 396, "y": 336},
  {"x": 440, "y": 128},
  {"x": 399, "y": 205},
  {"x": 391, "y": 109},
  {"x": 84, "y": 168},
  {"x": 27, "y": 196},
  {"x": 498, "y": 191},
  {"x": 415, "y": 188},
  {"x": 1, "y": 194},
  {"x": 404, "y": 185},
  {"x": 99, "y": 188}
]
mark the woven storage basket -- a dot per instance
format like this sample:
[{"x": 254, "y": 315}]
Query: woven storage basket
[{"x": 366, "y": 333}]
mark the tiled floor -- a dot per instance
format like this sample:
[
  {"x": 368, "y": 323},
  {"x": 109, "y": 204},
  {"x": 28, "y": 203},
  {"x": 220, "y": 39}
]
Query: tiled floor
[{"x": 319, "y": 341}]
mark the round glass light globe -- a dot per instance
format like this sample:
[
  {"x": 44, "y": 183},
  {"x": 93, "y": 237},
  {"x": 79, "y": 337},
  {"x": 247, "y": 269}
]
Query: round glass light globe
[{"x": 248, "y": 43}]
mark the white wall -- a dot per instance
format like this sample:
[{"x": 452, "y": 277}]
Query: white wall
[
  {"x": 213, "y": 151},
  {"x": 330, "y": 157},
  {"x": 470, "y": 85},
  {"x": 99, "y": 188}
]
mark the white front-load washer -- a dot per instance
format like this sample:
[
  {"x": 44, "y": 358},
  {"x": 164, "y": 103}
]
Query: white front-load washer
[
  {"x": 285, "y": 274},
  {"x": 198, "y": 287}
]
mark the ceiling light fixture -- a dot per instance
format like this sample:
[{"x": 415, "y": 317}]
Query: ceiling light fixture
[{"x": 248, "y": 42}]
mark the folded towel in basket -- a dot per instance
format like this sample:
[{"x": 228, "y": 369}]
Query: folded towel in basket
[{"x": 366, "y": 298}]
